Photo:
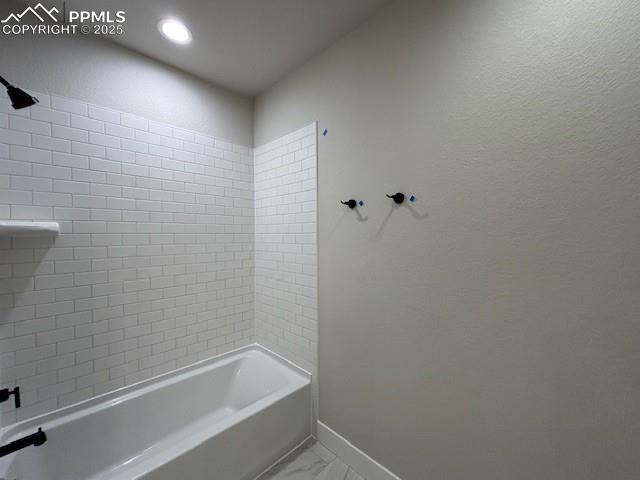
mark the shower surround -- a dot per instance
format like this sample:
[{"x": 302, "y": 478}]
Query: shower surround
[
  {"x": 154, "y": 266},
  {"x": 286, "y": 248}
]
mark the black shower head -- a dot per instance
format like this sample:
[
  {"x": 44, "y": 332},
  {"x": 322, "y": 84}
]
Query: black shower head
[{"x": 19, "y": 98}]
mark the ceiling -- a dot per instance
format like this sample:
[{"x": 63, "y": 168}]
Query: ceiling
[{"x": 243, "y": 45}]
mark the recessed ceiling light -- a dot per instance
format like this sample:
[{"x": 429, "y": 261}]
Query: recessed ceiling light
[{"x": 175, "y": 30}]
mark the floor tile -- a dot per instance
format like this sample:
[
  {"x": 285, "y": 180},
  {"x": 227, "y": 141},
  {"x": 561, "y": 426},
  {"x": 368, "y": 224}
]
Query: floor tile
[
  {"x": 351, "y": 475},
  {"x": 323, "y": 452},
  {"x": 311, "y": 461},
  {"x": 336, "y": 470},
  {"x": 302, "y": 464}
]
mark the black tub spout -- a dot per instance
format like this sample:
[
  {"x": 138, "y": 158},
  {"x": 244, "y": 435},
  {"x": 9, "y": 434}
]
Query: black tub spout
[{"x": 35, "y": 439}]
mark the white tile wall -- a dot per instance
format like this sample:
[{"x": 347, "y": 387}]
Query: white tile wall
[
  {"x": 286, "y": 288},
  {"x": 154, "y": 266}
]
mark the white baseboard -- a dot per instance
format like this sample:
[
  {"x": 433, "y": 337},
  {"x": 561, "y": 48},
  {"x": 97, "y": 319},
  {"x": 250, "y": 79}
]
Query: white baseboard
[{"x": 363, "y": 464}]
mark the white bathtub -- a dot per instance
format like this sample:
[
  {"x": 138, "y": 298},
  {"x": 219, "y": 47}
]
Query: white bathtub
[{"x": 223, "y": 419}]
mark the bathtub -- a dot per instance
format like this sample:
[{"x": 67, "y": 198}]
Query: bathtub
[{"x": 227, "y": 418}]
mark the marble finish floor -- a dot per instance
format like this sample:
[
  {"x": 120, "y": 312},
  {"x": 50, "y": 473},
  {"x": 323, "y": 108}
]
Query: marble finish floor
[{"x": 310, "y": 461}]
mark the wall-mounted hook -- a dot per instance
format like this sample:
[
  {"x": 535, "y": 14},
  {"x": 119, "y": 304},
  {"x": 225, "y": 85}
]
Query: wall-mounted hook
[
  {"x": 352, "y": 203},
  {"x": 398, "y": 198}
]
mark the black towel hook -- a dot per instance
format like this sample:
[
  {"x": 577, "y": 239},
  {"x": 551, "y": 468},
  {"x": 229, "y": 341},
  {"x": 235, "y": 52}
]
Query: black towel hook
[
  {"x": 352, "y": 203},
  {"x": 398, "y": 198}
]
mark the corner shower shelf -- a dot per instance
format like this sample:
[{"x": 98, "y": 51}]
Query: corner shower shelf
[{"x": 15, "y": 228}]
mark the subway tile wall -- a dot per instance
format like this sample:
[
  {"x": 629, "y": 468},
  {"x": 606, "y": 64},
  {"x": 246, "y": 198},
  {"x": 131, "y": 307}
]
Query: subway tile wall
[
  {"x": 154, "y": 266},
  {"x": 286, "y": 291}
]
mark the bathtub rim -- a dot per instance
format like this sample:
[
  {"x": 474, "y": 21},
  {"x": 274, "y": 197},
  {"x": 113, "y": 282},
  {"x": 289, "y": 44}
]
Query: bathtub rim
[{"x": 14, "y": 430}]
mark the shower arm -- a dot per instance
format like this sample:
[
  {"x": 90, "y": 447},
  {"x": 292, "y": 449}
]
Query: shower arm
[{"x": 4, "y": 82}]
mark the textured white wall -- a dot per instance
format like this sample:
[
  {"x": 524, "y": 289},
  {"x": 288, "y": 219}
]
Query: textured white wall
[
  {"x": 286, "y": 279},
  {"x": 154, "y": 266},
  {"x": 497, "y": 336}
]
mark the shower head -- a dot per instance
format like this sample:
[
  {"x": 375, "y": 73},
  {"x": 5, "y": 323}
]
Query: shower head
[{"x": 19, "y": 98}]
